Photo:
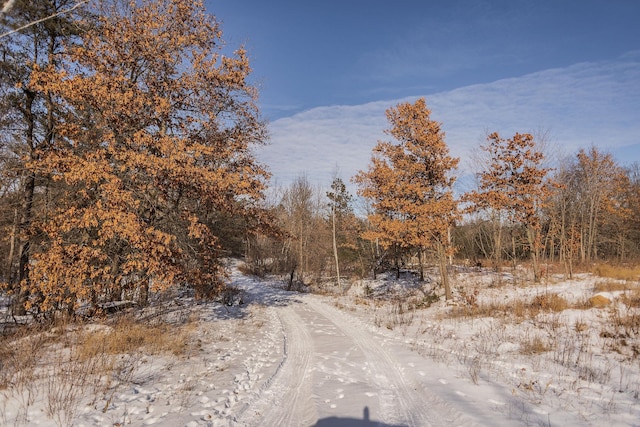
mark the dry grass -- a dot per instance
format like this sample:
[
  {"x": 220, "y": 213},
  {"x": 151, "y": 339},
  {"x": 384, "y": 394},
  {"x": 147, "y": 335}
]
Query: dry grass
[
  {"x": 599, "y": 301},
  {"x": 549, "y": 302},
  {"x": 493, "y": 309},
  {"x": 517, "y": 309},
  {"x": 623, "y": 331},
  {"x": 632, "y": 299},
  {"x": 20, "y": 352},
  {"x": 631, "y": 291},
  {"x": 128, "y": 336},
  {"x": 580, "y": 326},
  {"x": 68, "y": 363},
  {"x": 612, "y": 286},
  {"x": 617, "y": 272},
  {"x": 535, "y": 345}
]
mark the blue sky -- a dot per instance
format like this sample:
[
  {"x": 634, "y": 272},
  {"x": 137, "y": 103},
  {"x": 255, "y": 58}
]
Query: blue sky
[{"x": 327, "y": 71}]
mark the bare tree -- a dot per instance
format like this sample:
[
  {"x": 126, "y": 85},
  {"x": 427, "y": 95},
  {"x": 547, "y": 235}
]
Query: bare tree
[
  {"x": 595, "y": 193},
  {"x": 305, "y": 249}
]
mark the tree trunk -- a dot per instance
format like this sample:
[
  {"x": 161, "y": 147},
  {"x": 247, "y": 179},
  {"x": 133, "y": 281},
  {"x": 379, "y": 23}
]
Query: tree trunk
[
  {"x": 449, "y": 244},
  {"x": 533, "y": 247},
  {"x": 144, "y": 292},
  {"x": 301, "y": 253},
  {"x": 444, "y": 276},
  {"x": 12, "y": 246},
  {"x": 291, "y": 275},
  {"x": 497, "y": 243},
  {"x": 21, "y": 285},
  {"x": 592, "y": 230},
  {"x": 397, "y": 261},
  {"x": 335, "y": 249},
  {"x": 513, "y": 250}
]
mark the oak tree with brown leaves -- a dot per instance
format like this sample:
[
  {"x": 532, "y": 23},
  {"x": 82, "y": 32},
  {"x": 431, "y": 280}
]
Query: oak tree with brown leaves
[
  {"x": 155, "y": 137},
  {"x": 409, "y": 185},
  {"x": 514, "y": 183}
]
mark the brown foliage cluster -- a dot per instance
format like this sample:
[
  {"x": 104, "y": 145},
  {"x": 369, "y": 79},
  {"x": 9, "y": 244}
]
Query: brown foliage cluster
[
  {"x": 152, "y": 142},
  {"x": 514, "y": 180},
  {"x": 126, "y": 165}
]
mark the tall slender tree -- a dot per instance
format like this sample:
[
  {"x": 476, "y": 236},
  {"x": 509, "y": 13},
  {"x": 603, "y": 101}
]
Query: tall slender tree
[{"x": 339, "y": 205}]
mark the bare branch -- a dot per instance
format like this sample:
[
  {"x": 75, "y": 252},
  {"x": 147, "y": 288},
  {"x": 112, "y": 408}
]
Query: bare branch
[{"x": 10, "y": 3}]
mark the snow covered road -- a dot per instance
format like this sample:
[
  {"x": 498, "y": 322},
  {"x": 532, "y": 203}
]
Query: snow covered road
[
  {"x": 337, "y": 372},
  {"x": 285, "y": 359}
]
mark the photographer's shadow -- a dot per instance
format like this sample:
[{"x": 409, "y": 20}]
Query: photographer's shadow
[{"x": 353, "y": 422}]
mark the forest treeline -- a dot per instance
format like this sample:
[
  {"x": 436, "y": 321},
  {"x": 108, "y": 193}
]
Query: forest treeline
[
  {"x": 526, "y": 208},
  {"x": 127, "y": 167}
]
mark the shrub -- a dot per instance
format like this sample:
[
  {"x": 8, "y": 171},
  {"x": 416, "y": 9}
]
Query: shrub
[
  {"x": 599, "y": 301},
  {"x": 632, "y": 299},
  {"x": 535, "y": 345},
  {"x": 549, "y": 302}
]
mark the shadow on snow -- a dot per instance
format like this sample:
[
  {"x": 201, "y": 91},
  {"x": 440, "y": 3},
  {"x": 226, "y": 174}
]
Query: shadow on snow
[{"x": 353, "y": 422}]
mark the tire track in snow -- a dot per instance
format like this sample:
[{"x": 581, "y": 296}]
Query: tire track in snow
[
  {"x": 288, "y": 397},
  {"x": 286, "y": 401},
  {"x": 403, "y": 400}
]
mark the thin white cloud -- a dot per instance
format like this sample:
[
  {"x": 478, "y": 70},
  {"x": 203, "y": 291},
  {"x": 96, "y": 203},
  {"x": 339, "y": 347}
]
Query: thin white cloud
[{"x": 581, "y": 105}]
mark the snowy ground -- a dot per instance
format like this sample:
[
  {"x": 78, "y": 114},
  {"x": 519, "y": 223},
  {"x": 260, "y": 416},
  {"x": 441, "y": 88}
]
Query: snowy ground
[{"x": 291, "y": 359}]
